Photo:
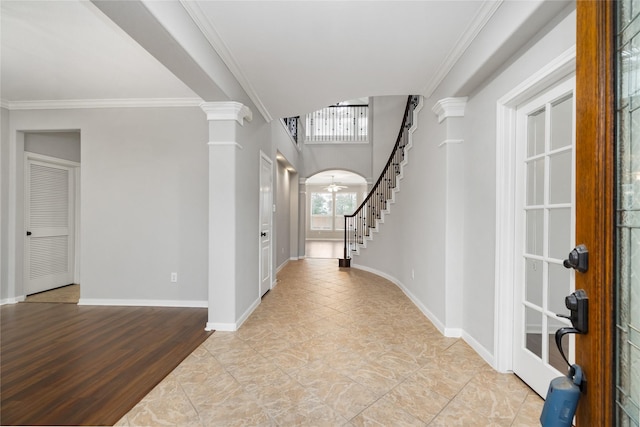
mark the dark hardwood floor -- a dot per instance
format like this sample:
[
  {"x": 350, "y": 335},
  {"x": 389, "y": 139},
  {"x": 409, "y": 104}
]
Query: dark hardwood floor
[{"x": 63, "y": 364}]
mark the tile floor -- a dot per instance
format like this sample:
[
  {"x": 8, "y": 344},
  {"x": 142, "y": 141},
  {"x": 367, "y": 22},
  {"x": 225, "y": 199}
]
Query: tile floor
[
  {"x": 331, "y": 347},
  {"x": 324, "y": 249}
]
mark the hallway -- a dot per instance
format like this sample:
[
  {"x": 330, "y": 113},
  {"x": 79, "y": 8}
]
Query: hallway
[{"x": 335, "y": 347}]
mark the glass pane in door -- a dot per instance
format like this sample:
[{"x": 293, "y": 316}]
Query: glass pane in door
[
  {"x": 628, "y": 216},
  {"x": 548, "y": 226}
]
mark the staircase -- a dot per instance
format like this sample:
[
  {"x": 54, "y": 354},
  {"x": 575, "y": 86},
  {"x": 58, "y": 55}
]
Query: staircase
[{"x": 360, "y": 226}]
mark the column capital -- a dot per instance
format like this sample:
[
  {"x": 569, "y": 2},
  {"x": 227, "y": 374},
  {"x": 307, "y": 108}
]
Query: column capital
[
  {"x": 449, "y": 107},
  {"x": 229, "y": 110}
]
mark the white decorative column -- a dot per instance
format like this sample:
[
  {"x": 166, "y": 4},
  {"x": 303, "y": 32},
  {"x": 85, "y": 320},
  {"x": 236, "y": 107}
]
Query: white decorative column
[
  {"x": 450, "y": 112},
  {"x": 302, "y": 218},
  {"x": 225, "y": 119}
]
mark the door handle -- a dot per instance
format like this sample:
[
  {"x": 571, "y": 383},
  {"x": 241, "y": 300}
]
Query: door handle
[
  {"x": 28, "y": 233},
  {"x": 263, "y": 234},
  {"x": 578, "y": 259}
]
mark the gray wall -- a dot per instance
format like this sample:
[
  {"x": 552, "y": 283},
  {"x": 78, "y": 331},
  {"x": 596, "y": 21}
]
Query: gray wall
[
  {"x": 61, "y": 145},
  {"x": 415, "y": 228},
  {"x": 143, "y": 200},
  {"x": 283, "y": 215},
  {"x": 4, "y": 206},
  {"x": 387, "y": 118}
]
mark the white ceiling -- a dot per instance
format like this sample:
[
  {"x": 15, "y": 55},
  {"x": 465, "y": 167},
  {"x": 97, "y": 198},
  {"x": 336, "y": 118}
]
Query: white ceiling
[
  {"x": 301, "y": 56},
  {"x": 291, "y": 56},
  {"x": 69, "y": 50}
]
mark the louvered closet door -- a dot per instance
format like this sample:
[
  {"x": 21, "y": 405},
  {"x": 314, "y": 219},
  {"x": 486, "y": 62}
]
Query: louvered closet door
[{"x": 49, "y": 225}]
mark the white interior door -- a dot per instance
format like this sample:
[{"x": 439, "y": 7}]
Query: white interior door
[
  {"x": 49, "y": 211},
  {"x": 266, "y": 218},
  {"x": 545, "y": 224}
]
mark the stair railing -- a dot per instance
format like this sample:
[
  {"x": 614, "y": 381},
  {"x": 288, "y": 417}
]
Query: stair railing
[{"x": 359, "y": 225}]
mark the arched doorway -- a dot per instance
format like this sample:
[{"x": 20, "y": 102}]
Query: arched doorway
[{"x": 330, "y": 195}]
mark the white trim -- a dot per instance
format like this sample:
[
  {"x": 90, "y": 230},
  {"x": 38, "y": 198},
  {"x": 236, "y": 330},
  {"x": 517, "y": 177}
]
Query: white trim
[
  {"x": 559, "y": 68},
  {"x": 447, "y": 332},
  {"x": 449, "y": 107},
  {"x": 144, "y": 302},
  {"x": 216, "y": 42},
  {"x": 483, "y": 16},
  {"x": 232, "y": 327},
  {"x": 450, "y": 141},
  {"x": 225, "y": 144},
  {"x": 283, "y": 265},
  {"x": 432, "y": 317},
  {"x": 5, "y": 104},
  {"x": 73, "y": 169},
  {"x": 13, "y": 300},
  {"x": 482, "y": 351},
  {"x": 229, "y": 110},
  {"x": 65, "y": 104},
  {"x": 222, "y": 327},
  {"x": 247, "y": 313},
  {"x": 48, "y": 159},
  {"x": 263, "y": 156}
]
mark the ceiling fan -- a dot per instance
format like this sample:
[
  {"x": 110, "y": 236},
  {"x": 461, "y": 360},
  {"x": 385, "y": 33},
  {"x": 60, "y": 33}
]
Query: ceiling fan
[{"x": 332, "y": 188}]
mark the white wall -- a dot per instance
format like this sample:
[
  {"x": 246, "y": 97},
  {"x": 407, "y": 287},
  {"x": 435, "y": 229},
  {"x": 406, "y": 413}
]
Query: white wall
[
  {"x": 415, "y": 228},
  {"x": 387, "y": 118},
  {"x": 61, "y": 145},
  {"x": 143, "y": 201},
  {"x": 4, "y": 206}
]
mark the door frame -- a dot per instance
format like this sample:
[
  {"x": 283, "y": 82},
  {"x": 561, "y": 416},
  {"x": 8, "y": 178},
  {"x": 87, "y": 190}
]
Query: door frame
[
  {"x": 595, "y": 220},
  {"x": 263, "y": 156},
  {"x": 557, "y": 70},
  {"x": 75, "y": 170}
]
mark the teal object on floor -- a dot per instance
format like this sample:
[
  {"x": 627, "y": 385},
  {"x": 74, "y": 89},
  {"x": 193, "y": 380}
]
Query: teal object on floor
[{"x": 562, "y": 399}]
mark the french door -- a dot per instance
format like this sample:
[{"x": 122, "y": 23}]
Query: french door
[{"x": 545, "y": 225}]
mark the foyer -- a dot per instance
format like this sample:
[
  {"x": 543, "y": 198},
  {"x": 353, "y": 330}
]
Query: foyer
[{"x": 335, "y": 347}]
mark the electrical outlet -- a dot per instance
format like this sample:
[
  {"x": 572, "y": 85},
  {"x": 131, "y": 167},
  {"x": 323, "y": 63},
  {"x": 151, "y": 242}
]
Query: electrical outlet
[
  {"x": 174, "y": 277},
  {"x": 413, "y": 274}
]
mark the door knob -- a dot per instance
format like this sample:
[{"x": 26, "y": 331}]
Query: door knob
[
  {"x": 28, "y": 233},
  {"x": 578, "y": 259},
  {"x": 263, "y": 234}
]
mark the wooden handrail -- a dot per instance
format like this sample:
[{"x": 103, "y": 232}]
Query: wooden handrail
[{"x": 369, "y": 211}]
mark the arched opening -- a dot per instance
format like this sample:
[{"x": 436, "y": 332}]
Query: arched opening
[{"x": 330, "y": 195}]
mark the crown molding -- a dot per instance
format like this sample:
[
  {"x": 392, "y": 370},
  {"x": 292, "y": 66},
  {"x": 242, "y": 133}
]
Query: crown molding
[
  {"x": 478, "y": 22},
  {"x": 449, "y": 107},
  {"x": 208, "y": 30},
  {"x": 230, "y": 110},
  {"x": 64, "y": 104}
]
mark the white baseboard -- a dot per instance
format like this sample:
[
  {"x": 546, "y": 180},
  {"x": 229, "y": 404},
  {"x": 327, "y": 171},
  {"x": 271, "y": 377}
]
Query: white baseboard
[
  {"x": 13, "y": 300},
  {"x": 482, "y": 351},
  {"x": 281, "y": 266},
  {"x": 453, "y": 332},
  {"x": 222, "y": 327},
  {"x": 447, "y": 332},
  {"x": 144, "y": 302},
  {"x": 232, "y": 327},
  {"x": 247, "y": 313},
  {"x": 428, "y": 314}
]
